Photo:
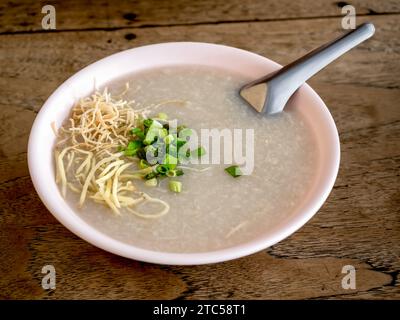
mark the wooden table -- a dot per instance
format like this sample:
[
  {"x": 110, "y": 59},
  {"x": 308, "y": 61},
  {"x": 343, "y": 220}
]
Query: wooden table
[{"x": 359, "y": 224}]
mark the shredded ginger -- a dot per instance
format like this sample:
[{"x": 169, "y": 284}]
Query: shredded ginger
[{"x": 87, "y": 158}]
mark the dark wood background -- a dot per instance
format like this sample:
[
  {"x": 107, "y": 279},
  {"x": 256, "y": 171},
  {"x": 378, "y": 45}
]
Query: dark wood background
[{"x": 358, "y": 225}]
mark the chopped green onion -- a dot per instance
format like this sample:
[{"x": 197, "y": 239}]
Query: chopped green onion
[
  {"x": 132, "y": 148},
  {"x": 150, "y": 154},
  {"x": 199, "y": 152},
  {"x": 162, "y": 169},
  {"x": 174, "y": 173},
  {"x": 138, "y": 132},
  {"x": 150, "y": 148},
  {"x": 143, "y": 164},
  {"x": 180, "y": 142},
  {"x": 150, "y": 175},
  {"x": 175, "y": 186},
  {"x": 151, "y": 182},
  {"x": 162, "y": 133},
  {"x": 155, "y": 140},
  {"x": 185, "y": 133},
  {"x": 172, "y": 150},
  {"x": 170, "y": 161},
  {"x": 169, "y": 139},
  {"x": 156, "y": 124},
  {"x": 234, "y": 171},
  {"x": 171, "y": 173},
  {"x": 184, "y": 155},
  {"x": 151, "y": 135},
  {"x": 162, "y": 116},
  {"x": 147, "y": 122},
  {"x": 151, "y": 122},
  {"x": 134, "y": 144},
  {"x": 153, "y": 132}
]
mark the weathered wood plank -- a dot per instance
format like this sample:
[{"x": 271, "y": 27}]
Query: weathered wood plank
[
  {"x": 62, "y": 54},
  {"x": 23, "y": 15},
  {"x": 274, "y": 278},
  {"x": 80, "y": 269},
  {"x": 82, "y": 278},
  {"x": 359, "y": 224}
]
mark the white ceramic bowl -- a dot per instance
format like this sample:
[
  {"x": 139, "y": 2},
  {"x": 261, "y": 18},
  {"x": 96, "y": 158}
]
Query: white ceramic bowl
[{"x": 57, "y": 108}]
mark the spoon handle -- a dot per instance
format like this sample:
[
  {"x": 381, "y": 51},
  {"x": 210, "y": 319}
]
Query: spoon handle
[{"x": 282, "y": 84}]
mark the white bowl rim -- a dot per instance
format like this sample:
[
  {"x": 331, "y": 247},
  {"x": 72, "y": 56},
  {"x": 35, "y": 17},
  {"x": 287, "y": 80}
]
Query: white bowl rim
[{"x": 98, "y": 239}]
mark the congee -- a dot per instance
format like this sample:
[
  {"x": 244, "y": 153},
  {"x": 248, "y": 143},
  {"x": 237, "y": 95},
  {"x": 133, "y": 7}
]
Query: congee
[{"x": 172, "y": 159}]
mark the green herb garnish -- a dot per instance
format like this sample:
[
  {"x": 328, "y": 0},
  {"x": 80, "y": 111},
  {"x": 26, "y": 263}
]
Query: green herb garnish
[
  {"x": 162, "y": 169},
  {"x": 180, "y": 142},
  {"x": 143, "y": 164},
  {"x": 234, "y": 171},
  {"x": 133, "y": 147},
  {"x": 170, "y": 161},
  {"x": 175, "y": 186},
  {"x": 147, "y": 123},
  {"x": 153, "y": 140},
  {"x": 150, "y": 175},
  {"x": 138, "y": 132},
  {"x": 169, "y": 139},
  {"x": 199, "y": 152},
  {"x": 185, "y": 134}
]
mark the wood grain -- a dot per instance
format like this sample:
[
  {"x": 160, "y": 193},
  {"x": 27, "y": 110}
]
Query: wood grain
[
  {"x": 358, "y": 225},
  {"x": 26, "y": 16}
]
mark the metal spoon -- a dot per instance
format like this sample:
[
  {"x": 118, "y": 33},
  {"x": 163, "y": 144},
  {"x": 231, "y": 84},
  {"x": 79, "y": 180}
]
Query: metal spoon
[{"x": 270, "y": 93}]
